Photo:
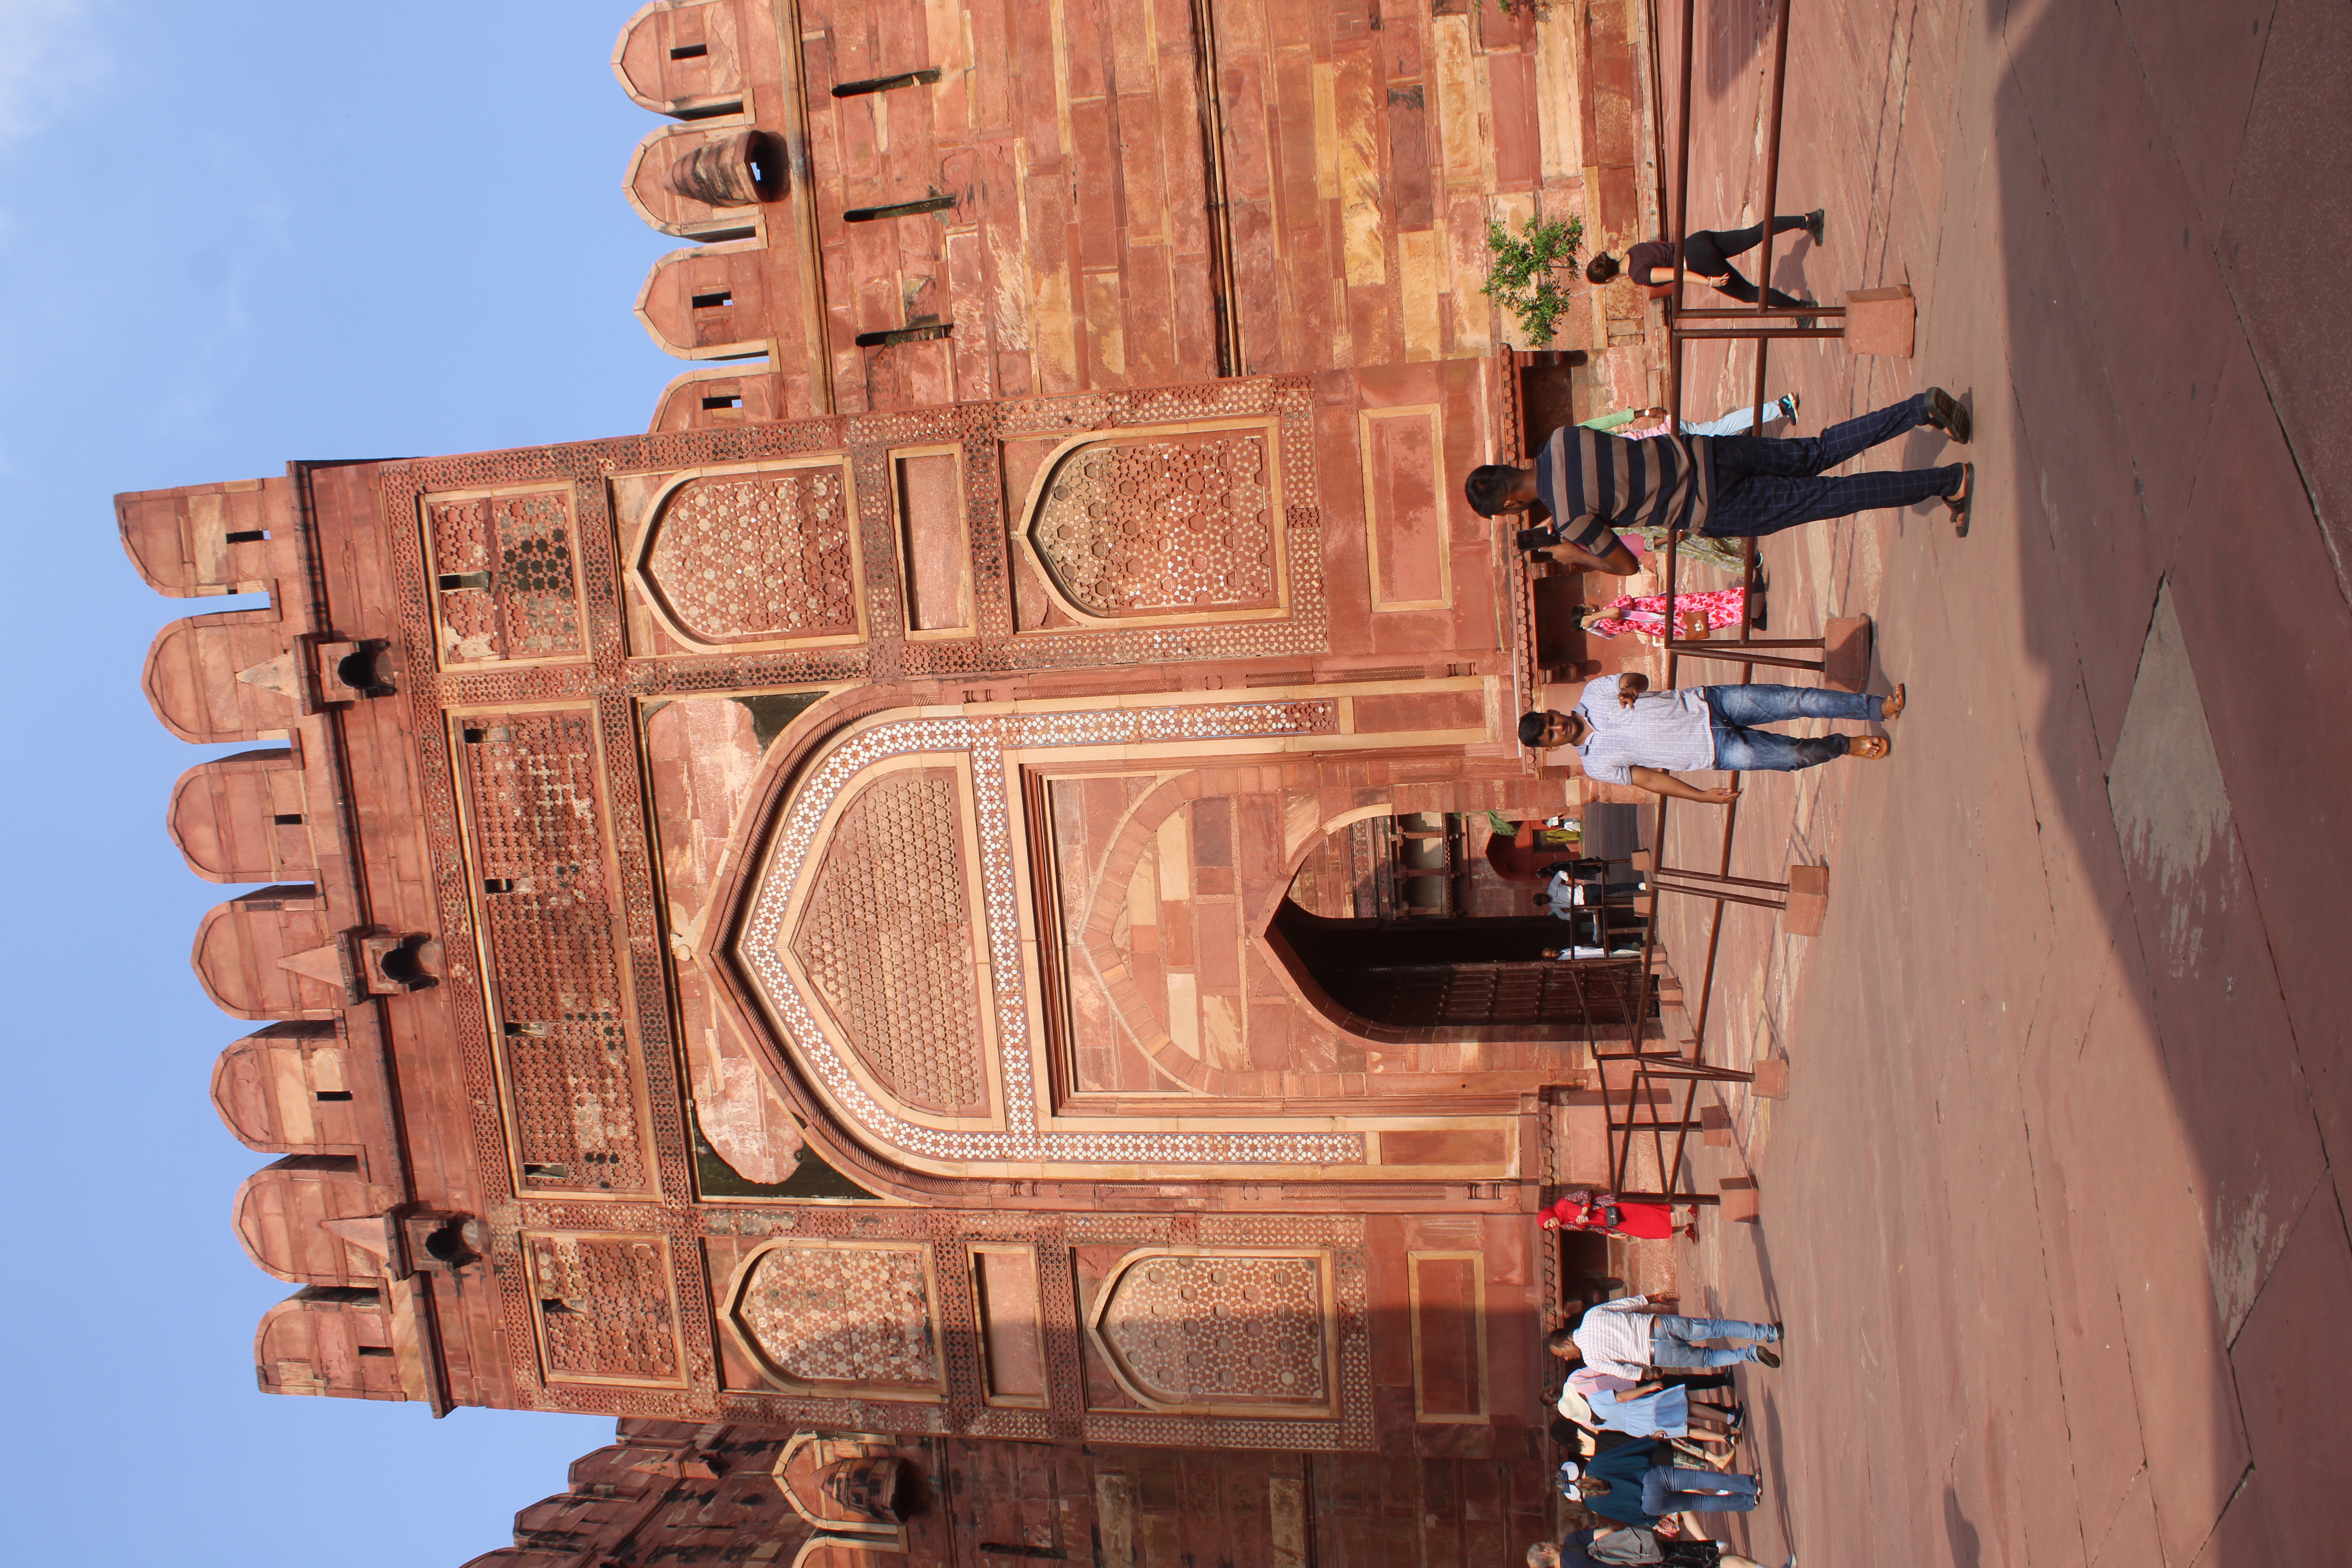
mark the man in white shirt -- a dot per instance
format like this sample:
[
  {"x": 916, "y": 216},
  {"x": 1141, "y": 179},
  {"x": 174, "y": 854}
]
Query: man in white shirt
[
  {"x": 1620, "y": 1338},
  {"x": 1567, "y": 894},
  {"x": 1625, "y": 733}
]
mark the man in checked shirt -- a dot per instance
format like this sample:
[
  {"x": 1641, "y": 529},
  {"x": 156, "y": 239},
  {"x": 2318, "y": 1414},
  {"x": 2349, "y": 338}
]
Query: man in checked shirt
[{"x": 1625, "y": 733}]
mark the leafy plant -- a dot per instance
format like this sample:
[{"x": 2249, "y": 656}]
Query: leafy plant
[{"x": 1521, "y": 280}]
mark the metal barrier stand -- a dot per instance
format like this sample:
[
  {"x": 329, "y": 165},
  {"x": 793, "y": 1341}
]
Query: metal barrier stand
[{"x": 1653, "y": 1071}]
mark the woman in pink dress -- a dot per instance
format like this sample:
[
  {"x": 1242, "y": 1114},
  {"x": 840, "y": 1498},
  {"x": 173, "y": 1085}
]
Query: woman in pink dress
[
  {"x": 1645, "y": 616},
  {"x": 1583, "y": 1208}
]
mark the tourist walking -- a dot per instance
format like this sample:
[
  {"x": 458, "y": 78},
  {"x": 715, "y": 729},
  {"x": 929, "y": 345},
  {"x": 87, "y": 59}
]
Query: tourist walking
[
  {"x": 1724, "y": 487},
  {"x": 1584, "y": 1209},
  {"x": 1632, "y": 425},
  {"x": 1623, "y": 733},
  {"x": 1634, "y": 1485},
  {"x": 1706, "y": 259},
  {"x": 1657, "y": 1408},
  {"x": 1624, "y": 1339},
  {"x": 1644, "y": 615},
  {"x": 1608, "y": 1545}
]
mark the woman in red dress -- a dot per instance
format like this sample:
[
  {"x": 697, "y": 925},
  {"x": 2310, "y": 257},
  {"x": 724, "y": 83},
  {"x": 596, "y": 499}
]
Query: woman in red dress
[{"x": 1583, "y": 1208}]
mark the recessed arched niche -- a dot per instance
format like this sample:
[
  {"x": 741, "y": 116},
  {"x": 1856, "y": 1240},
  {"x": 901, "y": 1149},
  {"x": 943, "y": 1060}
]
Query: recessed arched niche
[
  {"x": 764, "y": 555},
  {"x": 1236, "y": 1332},
  {"x": 840, "y": 1317},
  {"x": 1162, "y": 524}
]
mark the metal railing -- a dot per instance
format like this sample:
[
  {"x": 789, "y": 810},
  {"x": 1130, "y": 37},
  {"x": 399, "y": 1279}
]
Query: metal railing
[{"x": 1660, "y": 1080}]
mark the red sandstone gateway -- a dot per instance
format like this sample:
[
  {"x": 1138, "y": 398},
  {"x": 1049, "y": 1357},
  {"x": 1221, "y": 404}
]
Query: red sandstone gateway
[{"x": 938, "y": 892}]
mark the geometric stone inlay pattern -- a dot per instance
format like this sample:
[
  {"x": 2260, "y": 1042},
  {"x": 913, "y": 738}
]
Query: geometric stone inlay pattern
[
  {"x": 853, "y": 1314},
  {"x": 887, "y": 939},
  {"x": 507, "y": 582},
  {"x": 531, "y": 780},
  {"x": 761, "y": 556},
  {"x": 604, "y": 1307},
  {"x": 1220, "y": 1329},
  {"x": 1162, "y": 526},
  {"x": 987, "y": 739}
]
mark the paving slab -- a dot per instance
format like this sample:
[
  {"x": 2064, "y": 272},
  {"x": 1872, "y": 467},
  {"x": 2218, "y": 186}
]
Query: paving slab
[
  {"x": 2294, "y": 1382},
  {"x": 2051, "y": 1210}
]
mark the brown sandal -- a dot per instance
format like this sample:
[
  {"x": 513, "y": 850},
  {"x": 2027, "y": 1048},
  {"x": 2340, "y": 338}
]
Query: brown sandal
[
  {"x": 1892, "y": 707},
  {"x": 1947, "y": 413},
  {"x": 1869, "y": 748},
  {"x": 1959, "y": 504}
]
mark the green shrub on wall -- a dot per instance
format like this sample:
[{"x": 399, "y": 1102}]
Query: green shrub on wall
[{"x": 1521, "y": 280}]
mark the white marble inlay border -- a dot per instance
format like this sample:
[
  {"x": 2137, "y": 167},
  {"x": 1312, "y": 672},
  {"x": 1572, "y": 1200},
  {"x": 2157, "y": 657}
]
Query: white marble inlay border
[{"x": 986, "y": 740}]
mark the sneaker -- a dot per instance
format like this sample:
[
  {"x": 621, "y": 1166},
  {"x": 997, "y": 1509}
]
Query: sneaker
[
  {"x": 1789, "y": 406},
  {"x": 1813, "y": 222}
]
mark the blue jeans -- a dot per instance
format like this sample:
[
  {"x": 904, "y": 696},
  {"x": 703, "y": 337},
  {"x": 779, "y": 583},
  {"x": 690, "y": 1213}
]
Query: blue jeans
[
  {"x": 1738, "y": 748},
  {"x": 1673, "y": 1488},
  {"x": 1732, "y": 421},
  {"x": 1673, "y": 1340},
  {"x": 1763, "y": 485}
]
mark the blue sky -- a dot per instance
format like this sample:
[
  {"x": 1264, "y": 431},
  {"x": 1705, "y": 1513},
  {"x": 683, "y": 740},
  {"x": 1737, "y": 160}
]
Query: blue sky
[{"x": 233, "y": 234}]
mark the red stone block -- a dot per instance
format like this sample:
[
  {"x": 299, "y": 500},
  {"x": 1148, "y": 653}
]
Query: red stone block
[
  {"x": 1845, "y": 653},
  {"x": 1807, "y": 905},
  {"x": 1879, "y": 320}
]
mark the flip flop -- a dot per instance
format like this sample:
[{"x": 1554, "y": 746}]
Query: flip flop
[
  {"x": 1869, "y": 748},
  {"x": 1894, "y": 704},
  {"x": 1960, "y": 505},
  {"x": 1944, "y": 413}
]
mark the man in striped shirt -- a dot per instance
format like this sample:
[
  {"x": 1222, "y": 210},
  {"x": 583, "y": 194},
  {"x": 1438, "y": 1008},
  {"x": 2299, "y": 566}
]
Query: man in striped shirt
[
  {"x": 1592, "y": 484},
  {"x": 1625, "y": 733}
]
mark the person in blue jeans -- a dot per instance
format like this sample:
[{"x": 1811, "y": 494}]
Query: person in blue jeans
[
  {"x": 1631, "y": 1484},
  {"x": 1624, "y": 1337},
  {"x": 1625, "y": 733}
]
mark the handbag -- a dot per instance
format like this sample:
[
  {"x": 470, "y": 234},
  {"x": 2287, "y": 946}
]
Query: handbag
[{"x": 1632, "y": 1544}]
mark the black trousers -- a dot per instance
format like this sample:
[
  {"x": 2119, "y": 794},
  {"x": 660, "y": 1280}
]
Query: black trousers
[
  {"x": 1765, "y": 483},
  {"x": 1710, "y": 250}
]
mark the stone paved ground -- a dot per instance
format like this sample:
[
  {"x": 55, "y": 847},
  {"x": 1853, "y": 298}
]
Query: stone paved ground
[{"x": 2051, "y": 1210}]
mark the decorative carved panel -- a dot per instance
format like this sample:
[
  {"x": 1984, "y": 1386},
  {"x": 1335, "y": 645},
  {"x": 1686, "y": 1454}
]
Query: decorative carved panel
[
  {"x": 532, "y": 782},
  {"x": 607, "y": 1312},
  {"x": 797, "y": 848},
  {"x": 757, "y": 556},
  {"x": 887, "y": 939},
  {"x": 506, "y": 583},
  {"x": 1207, "y": 1331},
  {"x": 1173, "y": 525},
  {"x": 840, "y": 1314}
]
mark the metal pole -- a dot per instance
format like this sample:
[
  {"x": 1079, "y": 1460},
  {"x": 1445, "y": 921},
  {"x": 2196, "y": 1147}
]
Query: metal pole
[
  {"x": 1681, "y": 227},
  {"x": 1771, "y": 188},
  {"x": 1720, "y": 897},
  {"x": 1776, "y": 661},
  {"x": 1756, "y": 335},
  {"x": 1749, "y": 312},
  {"x": 1710, "y": 876}
]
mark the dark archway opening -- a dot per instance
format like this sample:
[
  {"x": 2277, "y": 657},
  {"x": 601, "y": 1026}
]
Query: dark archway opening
[
  {"x": 1486, "y": 977},
  {"x": 1403, "y": 925}
]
